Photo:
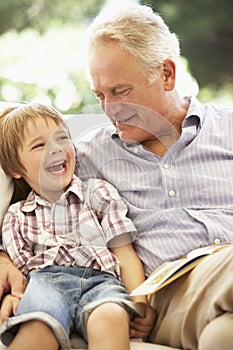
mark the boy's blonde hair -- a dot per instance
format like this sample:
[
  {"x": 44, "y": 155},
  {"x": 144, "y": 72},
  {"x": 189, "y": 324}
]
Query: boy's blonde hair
[
  {"x": 138, "y": 30},
  {"x": 13, "y": 122}
]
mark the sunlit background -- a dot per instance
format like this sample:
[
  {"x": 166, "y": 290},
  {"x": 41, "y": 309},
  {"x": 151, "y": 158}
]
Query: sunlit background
[{"x": 42, "y": 49}]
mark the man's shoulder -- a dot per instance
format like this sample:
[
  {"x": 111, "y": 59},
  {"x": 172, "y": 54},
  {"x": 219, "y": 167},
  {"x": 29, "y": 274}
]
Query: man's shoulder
[{"x": 218, "y": 109}]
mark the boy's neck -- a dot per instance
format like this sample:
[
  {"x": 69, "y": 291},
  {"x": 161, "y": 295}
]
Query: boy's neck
[{"x": 51, "y": 197}]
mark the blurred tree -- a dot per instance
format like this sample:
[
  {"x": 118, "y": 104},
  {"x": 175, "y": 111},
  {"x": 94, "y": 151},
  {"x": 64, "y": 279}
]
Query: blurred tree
[
  {"x": 42, "y": 54},
  {"x": 205, "y": 28},
  {"x": 41, "y": 14}
]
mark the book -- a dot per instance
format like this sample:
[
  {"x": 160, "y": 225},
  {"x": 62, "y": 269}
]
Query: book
[{"x": 171, "y": 270}]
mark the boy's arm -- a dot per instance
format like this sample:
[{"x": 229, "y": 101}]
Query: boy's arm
[
  {"x": 12, "y": 280},
  {"x": 132, "y": 275}
]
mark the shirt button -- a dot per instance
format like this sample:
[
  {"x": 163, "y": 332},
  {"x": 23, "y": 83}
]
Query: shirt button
[
  {"x": 135, "y": 150},
  {"x": 217, "y": 241},
  {"x": 166, "y": 166},
  {"x": 171, "y": 193}
]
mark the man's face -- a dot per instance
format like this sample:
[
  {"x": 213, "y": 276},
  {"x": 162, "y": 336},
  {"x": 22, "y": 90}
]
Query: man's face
[{"x": 122, "y": 86}]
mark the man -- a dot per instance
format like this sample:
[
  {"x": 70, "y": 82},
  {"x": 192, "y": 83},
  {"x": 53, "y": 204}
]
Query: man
[{"x": 170, "y": 157}]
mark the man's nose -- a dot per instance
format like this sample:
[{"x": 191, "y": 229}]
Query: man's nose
[{"x": 112, "y": 108}]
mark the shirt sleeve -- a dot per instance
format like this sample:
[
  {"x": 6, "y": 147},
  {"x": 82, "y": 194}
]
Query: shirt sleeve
[
  {"x": 12, "y": 239},
  {"x": 112, "y": 212}
]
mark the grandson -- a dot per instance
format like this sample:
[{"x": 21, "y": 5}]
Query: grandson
[{"x": 71, "y": 239}]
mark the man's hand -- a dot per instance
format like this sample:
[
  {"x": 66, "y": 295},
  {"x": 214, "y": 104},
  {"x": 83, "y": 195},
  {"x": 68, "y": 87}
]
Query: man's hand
[
  {"x": 141, "y": 327},
  {"x": 8, "y": 307},
  {"x": 11, "y": 279}
]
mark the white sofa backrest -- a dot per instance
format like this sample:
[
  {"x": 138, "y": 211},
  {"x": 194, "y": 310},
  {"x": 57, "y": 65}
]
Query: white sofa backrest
[{"x": 81, "y": 124}]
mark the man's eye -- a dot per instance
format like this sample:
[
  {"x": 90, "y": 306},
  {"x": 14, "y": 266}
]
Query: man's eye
[{"x": 123, "y": 92}]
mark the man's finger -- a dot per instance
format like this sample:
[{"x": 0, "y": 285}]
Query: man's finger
[
  {"x": 2, "y": 289},
  {"x": 18, "y": 286},
  {"x": 137, "y": 334}
]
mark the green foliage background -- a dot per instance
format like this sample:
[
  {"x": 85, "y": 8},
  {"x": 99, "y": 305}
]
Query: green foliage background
[
  {"x": 41, "y": 45},
  {"x": 205, "y": 28}
]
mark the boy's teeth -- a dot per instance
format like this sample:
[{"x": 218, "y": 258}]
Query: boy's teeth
[{"x": 57, "y": 167}]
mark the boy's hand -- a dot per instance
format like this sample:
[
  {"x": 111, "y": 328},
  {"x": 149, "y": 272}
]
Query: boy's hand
[
  {"x": 141, "y": 327},
  {"x": 8, "y": 307}
]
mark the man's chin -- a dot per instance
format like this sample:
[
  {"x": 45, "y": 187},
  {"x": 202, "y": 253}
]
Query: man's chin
[{"x": 133, "y": 135}]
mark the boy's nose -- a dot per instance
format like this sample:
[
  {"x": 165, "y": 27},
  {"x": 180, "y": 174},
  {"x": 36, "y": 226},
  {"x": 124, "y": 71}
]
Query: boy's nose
[{"x": 54, "y": 148}]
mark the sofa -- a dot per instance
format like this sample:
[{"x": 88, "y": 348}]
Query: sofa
[
  {"x": 79, "y": 344},
  {"x": 81, "y": 125}
]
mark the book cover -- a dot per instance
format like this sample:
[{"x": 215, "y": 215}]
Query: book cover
[{"x": 171, "y": 270}]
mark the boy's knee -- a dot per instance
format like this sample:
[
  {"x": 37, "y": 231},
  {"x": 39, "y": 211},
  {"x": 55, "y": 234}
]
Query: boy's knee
[
  {"x": 217, "y": 334},
  {"x": 108, "y": 315}
]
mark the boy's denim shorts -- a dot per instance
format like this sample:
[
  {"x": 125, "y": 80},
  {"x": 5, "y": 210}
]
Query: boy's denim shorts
[{"x": 63, "y": 297}]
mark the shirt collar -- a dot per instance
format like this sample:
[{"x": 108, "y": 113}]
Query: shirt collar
[
  {"x": 195, "y": 114},
  {"x": 34, "y": 199},
  {"x": 76, "y": 187}
]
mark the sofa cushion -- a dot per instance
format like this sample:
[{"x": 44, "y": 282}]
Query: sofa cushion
[
  {"x": 135, "y": 344},
  {"x": 6, "y": 187},
  {"x": 6, "y": 191},
  {"x": 79, "y": 344}
]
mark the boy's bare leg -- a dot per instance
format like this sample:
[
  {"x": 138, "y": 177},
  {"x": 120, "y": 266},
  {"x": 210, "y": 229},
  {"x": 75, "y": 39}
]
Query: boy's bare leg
[
  {"x": 34, "y": 335},
  {"x": 108, "y": 328}
]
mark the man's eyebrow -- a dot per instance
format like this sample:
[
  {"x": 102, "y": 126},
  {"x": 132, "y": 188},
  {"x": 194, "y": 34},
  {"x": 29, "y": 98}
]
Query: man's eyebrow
[
  {"x": 113, "y": 88},
  {"x": 120, "y": 86}
]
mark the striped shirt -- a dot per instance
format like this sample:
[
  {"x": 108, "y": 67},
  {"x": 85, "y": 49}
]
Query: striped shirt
[
  {"x": 74, "y": 231},
  {"x": 181, "y": 201}
]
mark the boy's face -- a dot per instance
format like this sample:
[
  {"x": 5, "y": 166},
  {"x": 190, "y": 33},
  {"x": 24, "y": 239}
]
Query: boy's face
[{"x": 49, "y": 158}]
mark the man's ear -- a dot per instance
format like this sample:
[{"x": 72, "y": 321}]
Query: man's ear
[{"x": 169, "y": 74}]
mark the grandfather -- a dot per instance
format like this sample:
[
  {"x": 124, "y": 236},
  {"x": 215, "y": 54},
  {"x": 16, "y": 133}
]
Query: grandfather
[{"x": 171, "y": 159}]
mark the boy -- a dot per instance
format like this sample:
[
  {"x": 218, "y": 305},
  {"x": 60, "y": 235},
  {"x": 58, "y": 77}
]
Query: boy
[{"x": 72, "y": 240}]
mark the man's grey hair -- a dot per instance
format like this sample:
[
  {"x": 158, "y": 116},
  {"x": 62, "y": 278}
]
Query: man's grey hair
[{"x": 140, "y": 31}]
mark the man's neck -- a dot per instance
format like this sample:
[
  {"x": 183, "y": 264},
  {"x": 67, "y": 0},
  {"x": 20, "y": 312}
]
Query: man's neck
[
  {"x": 169, "y": 135},
  {"x": 159, "y": 147}
]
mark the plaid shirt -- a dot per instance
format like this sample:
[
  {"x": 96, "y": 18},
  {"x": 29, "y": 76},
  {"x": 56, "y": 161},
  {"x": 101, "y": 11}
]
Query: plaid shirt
[{"x": 74, "y": 231}]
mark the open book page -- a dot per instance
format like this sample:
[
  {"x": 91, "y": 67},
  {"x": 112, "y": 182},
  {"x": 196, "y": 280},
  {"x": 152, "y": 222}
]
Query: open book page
[{"x": 171, "y": 270}]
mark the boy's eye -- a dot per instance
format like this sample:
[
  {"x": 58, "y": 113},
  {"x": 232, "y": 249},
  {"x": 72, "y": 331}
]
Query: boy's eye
[
  {"x": 38, "y": 145},
  {"x": 63, "y": 138}
]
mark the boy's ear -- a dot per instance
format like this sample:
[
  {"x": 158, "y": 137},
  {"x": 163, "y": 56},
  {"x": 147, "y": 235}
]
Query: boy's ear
[{"x": 17, "y": 175}]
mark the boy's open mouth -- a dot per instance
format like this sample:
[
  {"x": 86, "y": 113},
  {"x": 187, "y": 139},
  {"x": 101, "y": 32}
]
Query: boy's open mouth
[{"x": 57, "y": 168}]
